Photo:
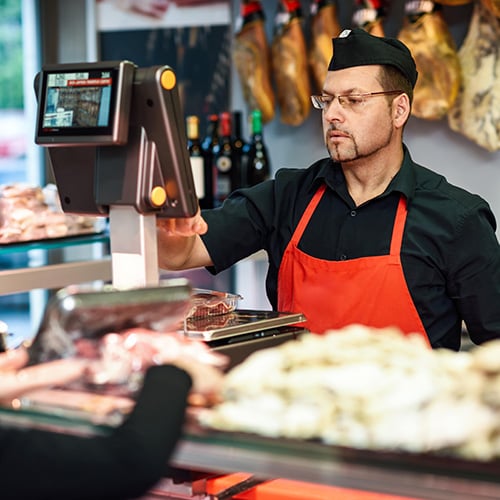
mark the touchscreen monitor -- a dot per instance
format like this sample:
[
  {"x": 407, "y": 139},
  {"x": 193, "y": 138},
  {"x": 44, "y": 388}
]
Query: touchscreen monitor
[
  {"x": 86, "y": 103},
  {"x": 115, "y": 136}
]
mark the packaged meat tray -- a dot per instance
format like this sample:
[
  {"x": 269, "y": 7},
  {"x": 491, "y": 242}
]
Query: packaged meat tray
[
  {"x": 116, "y": 335},
  {"x": 208, "y": 303}
]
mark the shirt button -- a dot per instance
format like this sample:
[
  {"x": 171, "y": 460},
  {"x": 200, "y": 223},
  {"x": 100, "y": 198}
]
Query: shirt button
[
  {"x": 353, "y": 213},
  {"x": 343, "y": 257}
]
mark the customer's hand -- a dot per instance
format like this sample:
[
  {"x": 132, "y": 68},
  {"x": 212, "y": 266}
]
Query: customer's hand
[
  {"x": 146, "y": 347},
  {"x": 193, "y": 356},
  {"x": 207, "y": 380},
  {"x": 16, "y": 380}
]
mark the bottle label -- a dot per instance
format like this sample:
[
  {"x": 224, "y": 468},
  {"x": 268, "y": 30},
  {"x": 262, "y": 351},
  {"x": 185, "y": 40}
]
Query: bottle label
[
  {"x": 197, "y": 168},
  {"x": 224, "y": 164}
]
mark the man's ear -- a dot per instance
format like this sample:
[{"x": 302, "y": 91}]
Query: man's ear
[{"x": 401, "y": 109}]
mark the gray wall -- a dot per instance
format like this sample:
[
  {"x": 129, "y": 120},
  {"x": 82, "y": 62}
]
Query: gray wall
[{"x": 431, "y": 143}]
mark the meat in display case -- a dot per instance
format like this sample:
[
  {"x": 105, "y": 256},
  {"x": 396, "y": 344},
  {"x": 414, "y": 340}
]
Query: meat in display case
[{"x": 354, "y": 408}]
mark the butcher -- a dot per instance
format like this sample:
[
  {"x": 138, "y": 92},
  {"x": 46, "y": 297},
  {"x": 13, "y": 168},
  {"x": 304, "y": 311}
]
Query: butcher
[{"x": 365, "y": 235}]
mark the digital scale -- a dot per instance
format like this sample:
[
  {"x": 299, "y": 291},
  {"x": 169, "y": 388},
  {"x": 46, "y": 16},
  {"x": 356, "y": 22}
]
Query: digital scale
[{"x": 117, "y": 145}]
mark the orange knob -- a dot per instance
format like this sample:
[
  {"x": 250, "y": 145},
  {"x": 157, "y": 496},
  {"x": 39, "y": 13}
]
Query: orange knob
[
  {"x": 168, "y": 79},
  {"x": 158, "y": 196}
]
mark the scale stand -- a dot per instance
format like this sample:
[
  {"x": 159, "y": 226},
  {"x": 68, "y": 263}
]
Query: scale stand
[{"x": 134, "y": 252}]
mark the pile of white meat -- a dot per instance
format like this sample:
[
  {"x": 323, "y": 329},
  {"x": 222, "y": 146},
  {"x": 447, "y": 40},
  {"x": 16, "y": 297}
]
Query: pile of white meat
[{"x": 368, "y": 388}]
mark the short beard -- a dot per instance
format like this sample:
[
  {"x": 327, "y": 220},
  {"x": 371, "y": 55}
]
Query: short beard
[{"x": 353, "y": 153}]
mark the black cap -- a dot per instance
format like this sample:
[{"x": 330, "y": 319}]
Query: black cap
[{"x": 357, "y": 47}]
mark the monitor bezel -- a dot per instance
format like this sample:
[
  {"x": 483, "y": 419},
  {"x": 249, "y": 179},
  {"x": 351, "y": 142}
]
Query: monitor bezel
[{"x": 115, "y": 133}]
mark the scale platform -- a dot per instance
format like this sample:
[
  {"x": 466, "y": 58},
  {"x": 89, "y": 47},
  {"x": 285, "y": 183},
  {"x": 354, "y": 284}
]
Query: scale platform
[{"x": 241, "y": 332}]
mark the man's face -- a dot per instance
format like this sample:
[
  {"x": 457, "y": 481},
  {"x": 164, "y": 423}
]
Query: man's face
[{"x": 356, "y": 125}]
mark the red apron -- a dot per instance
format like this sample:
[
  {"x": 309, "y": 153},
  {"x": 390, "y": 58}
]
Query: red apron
[{"x": 332, "y": 294}]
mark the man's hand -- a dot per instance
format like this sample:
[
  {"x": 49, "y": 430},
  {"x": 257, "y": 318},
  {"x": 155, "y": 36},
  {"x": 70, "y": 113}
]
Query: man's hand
[
  {"x": 182, "y": 227},
  {"x": 179, "y": 243}
]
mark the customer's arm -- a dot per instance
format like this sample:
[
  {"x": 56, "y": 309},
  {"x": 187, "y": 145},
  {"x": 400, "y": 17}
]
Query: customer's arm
[{"x": 125, "y": 464}]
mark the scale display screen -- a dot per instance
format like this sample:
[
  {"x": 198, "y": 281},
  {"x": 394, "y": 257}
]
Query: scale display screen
[{"x": 83, "y": 104}]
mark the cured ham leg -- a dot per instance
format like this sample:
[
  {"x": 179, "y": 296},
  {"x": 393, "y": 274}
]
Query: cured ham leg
[
  {"x": 493, "y": 6},
  {"x": 252, "y": 60},
  {"x": 427, "y": 36},
  {"x": 290, "y": 66},
  {"x": 324, "y": 27},
  {"x": 369, "y": 15},
  {"x": 476, "y": 112}
]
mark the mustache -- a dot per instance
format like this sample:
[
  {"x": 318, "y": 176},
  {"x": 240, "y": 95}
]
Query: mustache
[{"x": 333, "y": 128}]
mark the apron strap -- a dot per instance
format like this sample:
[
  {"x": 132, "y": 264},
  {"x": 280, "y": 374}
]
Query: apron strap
[
  {"x": 304, "y": 220},
  {"x": 399, "y": 226}
]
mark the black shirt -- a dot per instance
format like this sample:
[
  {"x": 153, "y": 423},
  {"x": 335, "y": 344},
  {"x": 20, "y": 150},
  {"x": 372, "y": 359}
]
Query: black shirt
[{"x": 450, "y": 253}]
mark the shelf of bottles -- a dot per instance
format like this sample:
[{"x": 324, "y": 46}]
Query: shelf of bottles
[{"x": 222, "y": 160}]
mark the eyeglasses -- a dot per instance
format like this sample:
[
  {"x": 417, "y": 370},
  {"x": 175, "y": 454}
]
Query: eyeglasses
[{"x": 348, "y": 101}]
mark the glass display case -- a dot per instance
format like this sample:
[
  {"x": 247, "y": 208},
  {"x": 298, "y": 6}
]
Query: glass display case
[
  {"x": 414, "y": 475},
  {"x": 55, "y": 275}
]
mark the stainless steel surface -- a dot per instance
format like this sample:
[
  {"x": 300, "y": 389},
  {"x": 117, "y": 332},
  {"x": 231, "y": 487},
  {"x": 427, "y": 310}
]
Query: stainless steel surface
[{"x": 304, "y": 462}]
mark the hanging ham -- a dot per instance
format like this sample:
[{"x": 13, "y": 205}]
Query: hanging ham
[
  {"x": 493, "y": 6},
  {"x": 252, "y": 60},
  {"x": 324, "y": 27},
  {"x": 476, "y": 112},
  {"x": 290, "y": 65},
  {"x": 427, "y": 36},
  {"x": 369, "y": 15},
  {"x": 453, "y": 2}
]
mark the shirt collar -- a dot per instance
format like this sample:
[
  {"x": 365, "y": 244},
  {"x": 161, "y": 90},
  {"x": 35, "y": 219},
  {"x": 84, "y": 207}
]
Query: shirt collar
[{"x": 403, "y": 182}]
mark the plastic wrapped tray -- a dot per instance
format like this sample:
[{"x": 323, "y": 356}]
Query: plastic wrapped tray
[
  {"x": 90, "y": 312},
  {"x": 208, "y": 303}
]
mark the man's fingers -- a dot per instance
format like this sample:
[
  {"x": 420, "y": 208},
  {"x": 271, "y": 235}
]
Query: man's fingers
[{"x": 183, "y": 227}]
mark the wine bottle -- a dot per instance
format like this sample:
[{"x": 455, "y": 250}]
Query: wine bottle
[
  {"x": 196, "y": 156},
  {"x": 224, "y": 160},
  {"x": 238, "y": 144},
  {"x": 258, "y": 165},
  {"x": 210, "y": 140}
]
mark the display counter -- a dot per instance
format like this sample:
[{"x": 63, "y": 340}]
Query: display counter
[{"x": 425, "y": 476}]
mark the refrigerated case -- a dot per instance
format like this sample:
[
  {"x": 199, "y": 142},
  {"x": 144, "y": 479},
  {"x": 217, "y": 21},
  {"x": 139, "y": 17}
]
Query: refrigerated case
[{"x": 203, "y": 451}]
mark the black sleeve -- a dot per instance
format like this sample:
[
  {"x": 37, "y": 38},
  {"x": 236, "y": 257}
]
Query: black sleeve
[
  {"x": 125, "y": 464},
  {"x": 475, "y": 274}
]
